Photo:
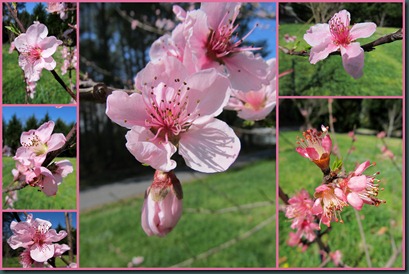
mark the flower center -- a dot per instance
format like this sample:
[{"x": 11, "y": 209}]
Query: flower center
[
  {"x": 220, "y": 42},
  {"x": 167, "y": 111},
  {"x": 339, "y": 31},
  {"x": 34, "y": 53},
  {"x": 40, "y": 234},
  {"x": 36, "y": 145}
]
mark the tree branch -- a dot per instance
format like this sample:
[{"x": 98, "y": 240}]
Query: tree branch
[
  {"x": 97, "y": 92},
  {"x": 61, "y": 82}
]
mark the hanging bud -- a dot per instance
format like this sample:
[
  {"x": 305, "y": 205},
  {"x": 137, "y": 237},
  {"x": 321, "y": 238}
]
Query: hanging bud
[
  {"x": 316, "y": 146},
  {"x": 162, "y": 207}
]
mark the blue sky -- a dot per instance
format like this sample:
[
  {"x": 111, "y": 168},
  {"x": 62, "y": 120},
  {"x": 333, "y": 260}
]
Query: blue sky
[
  {"x": 67, "y": 114},
  {"x": 55, "y": 218}
]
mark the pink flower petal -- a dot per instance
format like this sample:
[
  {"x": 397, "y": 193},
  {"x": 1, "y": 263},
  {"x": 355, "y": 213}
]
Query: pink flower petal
[
  {"x": 219, "y": 13},
  {"x": 53, "y": 236},
  {"x": 357, "y": 183},
  {"x": 362, "y": 30},
  {"x": 36, "y": 32},
  {"x": 209, "y": 92},
  {"x": 327, "y": 143},
  {"x": 41, "y": 253},
  {"x": 318, "y": 34},
  {"x": 344, "y": 16},
  {"x": 211, "y": 147},
  {"x": 49, "y": 45},
  {"x": 126, "y": 110},
  {"x": 362, "y": 167},
  {"x": 353, "y": 59},
  {"x": 355, "y": 201},
  {"x": 312, "y": 153},
  {"x": 50, "y": 187},
  {"x": 321, "y": 51},
  {"x": 247, "y": 71},
  {"x": 56, "y": 141},
  {"x": 148, "y": 151}
]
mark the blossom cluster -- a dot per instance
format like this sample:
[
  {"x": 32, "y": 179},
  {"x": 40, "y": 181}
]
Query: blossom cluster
[
  {"x": 38, "y": 241},
  {"x": 70, "y": 59},
  {"x": 195, "y": 72},
  {"x": 336, "y": 192},
  {"x": 35, "y": 144}
]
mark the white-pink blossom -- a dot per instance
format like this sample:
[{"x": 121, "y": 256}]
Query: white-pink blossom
[
  {"x": 255, "y": 105},
  {"x": 36, "y": 237},
  {"x": 175, "y": 111},
  {"x": 338, "y": 35},
  {"x": 36, "y": 50}
]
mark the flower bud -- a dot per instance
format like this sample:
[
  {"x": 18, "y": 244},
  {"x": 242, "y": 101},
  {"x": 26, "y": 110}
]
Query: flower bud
[{"x": 162, "y": 207}]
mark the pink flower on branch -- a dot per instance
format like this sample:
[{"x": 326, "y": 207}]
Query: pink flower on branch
[
  {"x": 36, "y": 50},
  {"x": 206, "y": 39},
  {"x": 361, "y": 189},
  {"x": 175, "y": 111},
  {"x": 338, "y": 35},
  {"x": 300, "y": 210},
  {"x": 316, "y": 146},
  {"x": 162, "y": 207},
  {"x": 255, "y": 105},
  {"x": 36, "y": 237}
]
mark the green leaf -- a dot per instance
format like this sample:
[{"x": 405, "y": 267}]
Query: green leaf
[
  {"x": 13, "y": 29},
  {"x": 337, "y": 164}
]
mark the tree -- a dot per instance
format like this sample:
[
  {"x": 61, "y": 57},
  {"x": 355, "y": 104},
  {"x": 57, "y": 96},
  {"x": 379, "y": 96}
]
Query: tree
[
  {"x": 31, "y": 123},
  {"x": 13, "y": 132}
]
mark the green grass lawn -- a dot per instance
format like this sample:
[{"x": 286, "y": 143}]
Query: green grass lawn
[
  {"x": 382, "y": 225},
  {"x": 32, "y": 198},
  {"x": 48, "y": 90},
  {"x": 382, "y": 69},
  {"x": 112, "y": 235}
]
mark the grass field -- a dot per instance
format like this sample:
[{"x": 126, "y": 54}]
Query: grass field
[
  {"x": 48, "y": 90},
  {"x": 382, "y": 225},
  {"x": 112, "y": 235},
  {"x": 32, "y": 198},
  {"x": 382, "y": 70}
]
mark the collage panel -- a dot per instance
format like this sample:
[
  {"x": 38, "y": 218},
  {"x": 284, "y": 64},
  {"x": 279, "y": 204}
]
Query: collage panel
[
  {"x": 39, "y": 157},
  {"x": 39, "y": 239},
  {"x": 340, "y": 183},
  {"x": 157, "y": 134},
  {"x": 341, "y": 49},
  {"x": 39, "y": 53}
]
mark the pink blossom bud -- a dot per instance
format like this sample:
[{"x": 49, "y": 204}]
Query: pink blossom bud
[{"x": 162, "y": 207}]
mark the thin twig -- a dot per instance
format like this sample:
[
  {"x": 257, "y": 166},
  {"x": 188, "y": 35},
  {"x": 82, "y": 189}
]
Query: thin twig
[
  {"x": 361, "y": 231},
  {"x": 13, "y": 13},
  {"x": 227, "y": 244},
  {"x": 61, "y": 82},
  {"x": 97, "y": 92}
]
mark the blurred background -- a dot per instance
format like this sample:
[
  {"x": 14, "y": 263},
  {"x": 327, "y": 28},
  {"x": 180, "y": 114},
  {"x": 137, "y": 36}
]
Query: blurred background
[
  {"x": 361, "y": 130},
  {"x": 383, "y": 66},
  {"x": 229, "y": 218}
]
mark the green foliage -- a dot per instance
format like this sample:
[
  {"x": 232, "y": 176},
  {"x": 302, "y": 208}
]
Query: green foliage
[
  {"x": 381, "y": 224},
  {"x": 112, "y": 235},
  {"x": 32, "y": 198},
  {"x": 12, "y": 133},
  {"x": 382, "y": 69}
]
